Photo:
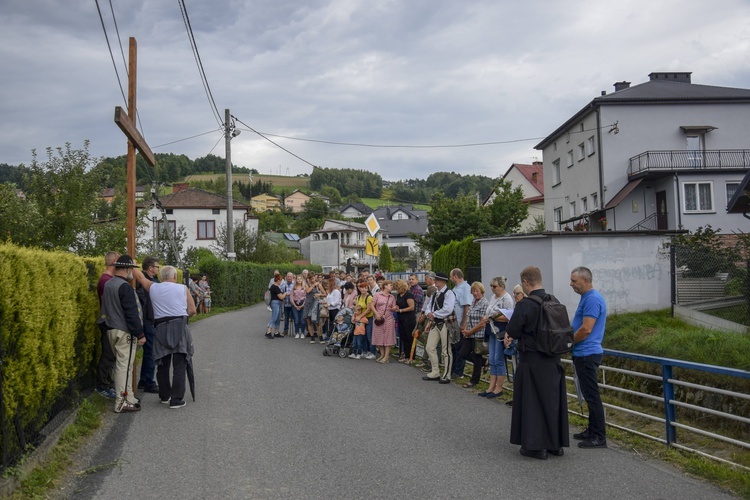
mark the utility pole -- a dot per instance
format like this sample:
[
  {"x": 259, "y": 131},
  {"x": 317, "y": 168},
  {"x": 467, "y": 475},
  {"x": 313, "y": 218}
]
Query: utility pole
[{"x": 229, "y": 133}]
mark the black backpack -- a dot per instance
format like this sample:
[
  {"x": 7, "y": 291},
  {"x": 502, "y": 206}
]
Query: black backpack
[{"x": 554, "y": 335}]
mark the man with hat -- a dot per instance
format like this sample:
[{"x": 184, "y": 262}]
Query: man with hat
[
  {"x": 441, "y": 306},
  {"x": 122, "y": 317}
]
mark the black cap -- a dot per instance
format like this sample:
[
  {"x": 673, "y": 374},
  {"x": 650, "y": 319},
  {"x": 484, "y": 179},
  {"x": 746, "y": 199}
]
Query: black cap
[
  {"x": 441, "y": 276},
  {"x": 125, "y": 261}
]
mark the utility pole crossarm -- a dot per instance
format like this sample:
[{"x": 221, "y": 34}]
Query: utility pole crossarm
[{"x": 126, "y": 125}]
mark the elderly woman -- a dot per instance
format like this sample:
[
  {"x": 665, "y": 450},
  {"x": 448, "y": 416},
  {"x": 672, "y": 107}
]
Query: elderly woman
[
  {"x": 501, "y": 299},
  {"x": 407, "y": 318},
  {"x": 277, "y": 302},
  {"x": 384, "y": 333},
  {"x": 474, "y": 332}
]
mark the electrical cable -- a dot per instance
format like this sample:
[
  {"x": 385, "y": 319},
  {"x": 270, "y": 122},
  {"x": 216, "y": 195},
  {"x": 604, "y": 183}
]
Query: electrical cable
[
  {"x": 196, "y": 55},
  {"x": 185, "y": 139},
  {"x": 125, "y": 99},
  {"x": 272, "y": 142}
]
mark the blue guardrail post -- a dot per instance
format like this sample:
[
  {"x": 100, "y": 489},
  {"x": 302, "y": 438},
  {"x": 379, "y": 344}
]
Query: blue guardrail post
[{"x": 669, "y": 409}]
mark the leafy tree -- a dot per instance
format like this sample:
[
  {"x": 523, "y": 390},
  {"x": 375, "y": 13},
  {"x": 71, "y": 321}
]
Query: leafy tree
[
  {"x": 194, "y": 256},
  {"x": 352, "y": 199},
  {"x": 65, "y": 194},
  {"x": 386, "y": 261},
  {"x": 253, "y": 247},
  {"x": 312, "y": 217},
  {"x": 18, "y": 217},
  {"x": 274, "y": 220},
  {"x": 333, "y": 195},
  {"x": 538, "y": 226},
  {"x": 452, "y": 219},
  {"x": 507, "y": 211}
]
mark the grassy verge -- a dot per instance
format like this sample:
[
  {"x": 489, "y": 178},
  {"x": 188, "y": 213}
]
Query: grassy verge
[
  {"x": 46, "y": 477},
  {"x": 214, "y": 312}
]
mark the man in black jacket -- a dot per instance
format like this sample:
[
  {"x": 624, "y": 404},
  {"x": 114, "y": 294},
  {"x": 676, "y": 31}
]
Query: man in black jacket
[
  {"x": 147, "y": 381},
  {"x": 121, "y": 314}
]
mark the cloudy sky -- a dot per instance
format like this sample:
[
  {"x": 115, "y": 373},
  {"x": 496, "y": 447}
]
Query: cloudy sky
[{"x": 378, "y": 72}]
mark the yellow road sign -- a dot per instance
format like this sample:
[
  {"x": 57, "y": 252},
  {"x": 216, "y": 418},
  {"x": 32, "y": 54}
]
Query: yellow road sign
[
  {"x": 372, "y": 225},
  {"x": 372, "y": 247}
]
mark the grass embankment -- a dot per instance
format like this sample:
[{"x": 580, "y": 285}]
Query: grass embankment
[{"x": 377, "y": 202}]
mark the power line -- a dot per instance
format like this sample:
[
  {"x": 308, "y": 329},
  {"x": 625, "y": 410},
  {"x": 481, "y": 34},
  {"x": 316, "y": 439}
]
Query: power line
[
  {"x": 196, "y": 55},
  {"x": 251, "y": 129},
  {"x": 185, "y": 139},
  {"x": 125, "y": 99}
]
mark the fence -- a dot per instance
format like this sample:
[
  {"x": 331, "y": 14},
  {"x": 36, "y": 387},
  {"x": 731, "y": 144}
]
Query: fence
[
  {"x": 711, "y": 286},
  {"x": 672, "y": 398}
]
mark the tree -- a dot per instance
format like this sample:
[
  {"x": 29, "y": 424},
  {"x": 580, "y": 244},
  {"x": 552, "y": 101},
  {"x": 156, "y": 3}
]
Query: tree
[
  {"x": 18, "y": 217},
  {"x": 333, "y": 195},
  {"x": 65, "y": 194},
  {"x": 312, "y": 217},
  {"x": 253, "y": 247},
  {"x": 507, "y": 211},
  {"x": 386, "y": 261},
  {"x": 274, "y": 220},
  {"x": 452, "y": 219}
]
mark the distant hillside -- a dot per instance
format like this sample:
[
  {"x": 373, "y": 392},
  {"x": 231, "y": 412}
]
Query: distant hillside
[{"x": 280, "y": 182}]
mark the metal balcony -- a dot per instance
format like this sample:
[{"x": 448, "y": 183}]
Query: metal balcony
[{"x": 664, "y": 162}]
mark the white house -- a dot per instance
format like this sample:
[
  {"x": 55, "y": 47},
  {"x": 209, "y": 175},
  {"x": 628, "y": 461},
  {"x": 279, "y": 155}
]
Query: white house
[
  {"x": 663, "y": 155},
  {"x": 398, "y": 223},
  {"x": 530, "y": 178},
  {"x": 337, "y": 242},
  {"x": 200, "y": 213},
  {"x": 355, "y": 210}
]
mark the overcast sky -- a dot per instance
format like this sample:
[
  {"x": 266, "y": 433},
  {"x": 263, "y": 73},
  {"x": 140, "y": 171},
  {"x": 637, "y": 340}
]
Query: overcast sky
[{"x": 408, "y": 72}]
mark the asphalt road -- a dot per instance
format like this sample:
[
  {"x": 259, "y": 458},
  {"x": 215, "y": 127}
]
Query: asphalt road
[{"x": 277, "y": 419}]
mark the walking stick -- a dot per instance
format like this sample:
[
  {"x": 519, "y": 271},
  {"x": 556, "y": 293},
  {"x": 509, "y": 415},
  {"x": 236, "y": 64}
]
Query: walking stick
[
  {"x": 127, "y": 372},
  {"x": 416, "y": 336}
]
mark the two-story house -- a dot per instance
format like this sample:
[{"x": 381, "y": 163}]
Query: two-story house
[
  {"x": 200, "y": 213},
  {"x": 398, "y": 223},
  {"x": 662, "y": 155},
  {"x": 296, "y": 201},
  {"x": 336, "y": 243},
  {"x": 530, "y": 178},
  {"x": 355, "y": 210},
  {"x": 264, "y": 203}
]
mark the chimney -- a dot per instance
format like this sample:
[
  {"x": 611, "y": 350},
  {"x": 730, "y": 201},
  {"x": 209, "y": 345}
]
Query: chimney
[
  {"x": 179, "y": 186},
  {"x": 679, "y": 77},
  {"x": 621, "y": 85},
  {"x": 537, "y": 162},
  {"x": 604, "y": 92}
]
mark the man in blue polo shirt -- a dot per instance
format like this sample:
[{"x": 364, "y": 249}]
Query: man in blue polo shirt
[{"x": 588, "y": 324}]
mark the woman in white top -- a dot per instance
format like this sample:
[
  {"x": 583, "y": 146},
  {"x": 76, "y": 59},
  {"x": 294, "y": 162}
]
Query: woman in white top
[{"x": 501, "y": 299}]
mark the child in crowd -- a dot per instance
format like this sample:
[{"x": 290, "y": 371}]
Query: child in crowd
[
  {"x": 207, "y": 299},
  {"x": 341, "y": 330},
  {"x": 360, "y": 322}
]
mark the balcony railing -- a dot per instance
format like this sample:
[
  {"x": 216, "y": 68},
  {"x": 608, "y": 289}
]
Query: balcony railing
[{"x": 669, "y": 161}]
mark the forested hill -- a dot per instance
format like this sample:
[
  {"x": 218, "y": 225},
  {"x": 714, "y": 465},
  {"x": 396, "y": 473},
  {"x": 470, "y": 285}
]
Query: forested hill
[{"x": 348, "y": 183}]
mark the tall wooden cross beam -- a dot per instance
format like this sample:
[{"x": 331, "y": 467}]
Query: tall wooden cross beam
[{"x": 126, "y": 122}]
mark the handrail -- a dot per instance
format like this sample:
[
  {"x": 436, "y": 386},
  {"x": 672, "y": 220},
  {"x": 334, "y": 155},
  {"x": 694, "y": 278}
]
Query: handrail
[{"x": 689, "y": 160}]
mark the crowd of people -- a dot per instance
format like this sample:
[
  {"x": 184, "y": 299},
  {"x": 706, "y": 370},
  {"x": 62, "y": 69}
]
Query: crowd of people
[{"x": 459, "y": 324}]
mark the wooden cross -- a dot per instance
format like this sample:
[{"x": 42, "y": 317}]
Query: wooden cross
[{"x": 126, "y": 122}]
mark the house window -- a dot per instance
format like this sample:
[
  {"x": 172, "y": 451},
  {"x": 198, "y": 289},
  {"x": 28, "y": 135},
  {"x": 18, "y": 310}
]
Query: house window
[
  {"x": 169, "y": 211},
  {"x": 554, "y": 146},
  {"x": 581, "y": 152},
  {"x": 556, "y": 172},
  {"x": 698, "y": 196},
  {"x": 215, "y": 211},
  {"x": 590, "y": 145},
  {"x": 206, "y": 230},
  {"x": 572, "y": 208},
  {"x": 584, "y": 205},
  {"x": 570, "y": 158},
  {"x": 732, "y": 188},
  {"x": 594, "y": 201},
  {"x": 162, "y": 229},
  {"x": 558, "y": 217}
]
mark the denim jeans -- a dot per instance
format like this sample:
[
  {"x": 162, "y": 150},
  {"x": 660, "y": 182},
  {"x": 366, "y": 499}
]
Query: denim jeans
[
  {"x": 299, "y": 320},
  {"x": 497, "y": 357},
  {"x": 368, "y": 329},
  {"x": 359, "y": 344},
  {"x": 275, "y": 315},
  {"x": 288, "y": 318},
  {"x": 587, "y": 368}
]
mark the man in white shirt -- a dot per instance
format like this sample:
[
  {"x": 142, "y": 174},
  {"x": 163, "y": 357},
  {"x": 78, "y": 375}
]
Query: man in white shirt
[{"x": 441, "y": 306}]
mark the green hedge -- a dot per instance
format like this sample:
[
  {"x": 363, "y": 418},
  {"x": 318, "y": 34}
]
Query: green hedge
[
  {"x": 457, "y": 254},
  {"x": 48, "y": 331},
  {"x": 242, "y": 283}
]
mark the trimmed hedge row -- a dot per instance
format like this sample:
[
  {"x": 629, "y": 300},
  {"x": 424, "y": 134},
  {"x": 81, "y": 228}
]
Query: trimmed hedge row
[
  {"x": 457, "y": 254},
  {"x": 242, "y": 283},
  {"x": 48, "y": 331}
]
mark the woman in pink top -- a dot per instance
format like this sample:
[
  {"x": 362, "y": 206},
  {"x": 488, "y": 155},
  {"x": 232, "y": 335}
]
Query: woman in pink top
[
  {"x": 298, "y": 307},
  {"x": 383, "y": 335}
]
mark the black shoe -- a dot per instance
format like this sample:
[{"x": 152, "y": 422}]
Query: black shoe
[
  {"x": 593, "y": 443},
  {"x": 269, "y": 335},
  {"x": 277, "y": 335},
  {"x": 177, "y": 403},
  {"x": 557, "y": 453},
  {"x": 430, "y": 378},
  {"x": 539, "y": 455},
  {"x": 445, "y": 381},
  {"x": 582, "y": 436}
]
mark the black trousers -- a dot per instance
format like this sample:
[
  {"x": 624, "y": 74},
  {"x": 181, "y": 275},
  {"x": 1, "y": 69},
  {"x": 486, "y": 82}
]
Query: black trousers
[
  {"x": 175, "y": 390},
  {"x": 105, "y": 369},
  {"x": 587, "y": 368},
  {"x": 466, "y": 353}
]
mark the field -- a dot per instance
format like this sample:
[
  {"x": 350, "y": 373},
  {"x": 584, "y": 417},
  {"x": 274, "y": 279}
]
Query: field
[
  {"x": 288, "y": 184},
  {"x": 376, "y": 203}
]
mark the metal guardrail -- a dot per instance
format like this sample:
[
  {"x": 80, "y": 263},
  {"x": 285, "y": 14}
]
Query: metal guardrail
[{"x": 670, "y": 404}]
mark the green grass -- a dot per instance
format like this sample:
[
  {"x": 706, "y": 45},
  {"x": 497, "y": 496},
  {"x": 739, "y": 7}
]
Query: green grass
[
  {"x": 214, "y": 312},
  {"x": 377, "y": 202},
  {"x": 657, "y": 333},
  {"x": 45, "y": 477},
  {"x": 736, "y": 314}
]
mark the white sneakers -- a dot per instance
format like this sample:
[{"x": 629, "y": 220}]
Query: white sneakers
[
  {"x": 369, "y": 355},
  {"x": 296, "y": 336}
]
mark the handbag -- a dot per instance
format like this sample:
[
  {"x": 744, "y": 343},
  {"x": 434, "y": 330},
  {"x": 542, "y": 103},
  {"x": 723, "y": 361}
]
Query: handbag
[
  {"x": 454, "y": 331},
  {"x": 267, "y": 297},
  {"x": 323, "y": 310},
  {"x": 481, "y": 348},
  {"x": 381, "y": 320}
]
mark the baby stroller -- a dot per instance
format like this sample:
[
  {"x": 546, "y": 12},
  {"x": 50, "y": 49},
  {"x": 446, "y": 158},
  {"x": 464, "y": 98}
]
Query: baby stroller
[{"x": 340, "y": 344}]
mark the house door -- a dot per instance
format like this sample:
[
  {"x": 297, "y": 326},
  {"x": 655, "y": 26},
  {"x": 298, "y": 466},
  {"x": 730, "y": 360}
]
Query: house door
[
  {"x": 695, "y": 151},
  {"x": 661, "y": 211}
]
